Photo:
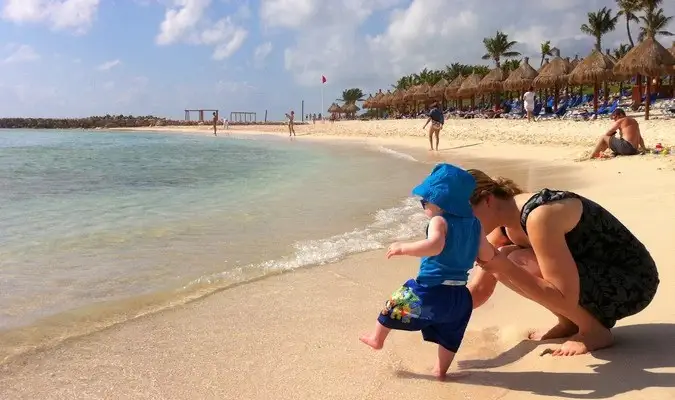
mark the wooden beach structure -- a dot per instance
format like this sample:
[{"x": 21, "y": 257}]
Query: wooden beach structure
[{"x": 201, "y": 113}]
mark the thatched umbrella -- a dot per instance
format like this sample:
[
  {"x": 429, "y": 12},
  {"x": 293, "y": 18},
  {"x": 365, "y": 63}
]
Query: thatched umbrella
[
  {"x": 453, "y": 87},
  {"x": 649, "y": 58},
  {"x": 350, "y": 108},
  {"x": 553, "y": 75},
  {"x": 595, "y": 68},
  {"x": 367, "y": 103},
  {"x": 398, "y": 98},
  {"x": 377, "y": 100},
  {"x": 409, "y": 96},
  {"x": 521, "y": 78},
  {"x": 575, "y": 61},
  {"x": 384, "y": 100},
  {"x": 422, "y": 93},
  {"x": 493, "y": 81},
  {"x": 335, "y": 109},
  {"x": 470, "y": 87},
  {"x": 437, "y": 91}
]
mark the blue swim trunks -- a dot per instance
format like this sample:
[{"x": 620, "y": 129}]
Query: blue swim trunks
[{"x": 441, "y": 312}]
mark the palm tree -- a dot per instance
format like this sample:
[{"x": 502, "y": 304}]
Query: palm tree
[
  {"x": 498, "y": 47},
  {"x": 654, "y": 23},
  {"x": 510, "y": 65},
  {"x": 621, "y": 51},
  {"x": 546, "y": 51},
  {"x": 351, "y": 96},
  {"x": 628, "y": 8},
  {"x": 599, "y": 24}
]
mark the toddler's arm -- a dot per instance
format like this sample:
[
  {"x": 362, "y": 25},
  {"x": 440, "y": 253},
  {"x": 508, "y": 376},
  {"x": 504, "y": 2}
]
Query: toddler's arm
[{"x": 431, "y": 246}]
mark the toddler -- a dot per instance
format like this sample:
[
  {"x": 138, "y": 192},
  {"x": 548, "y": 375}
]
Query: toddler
[{"x": 438, "y": 302}]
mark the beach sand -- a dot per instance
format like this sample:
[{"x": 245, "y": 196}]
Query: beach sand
[{"x": 295, "y": 335}]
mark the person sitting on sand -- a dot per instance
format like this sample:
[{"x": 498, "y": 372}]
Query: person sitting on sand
[
  {"x": 566, "y": 253},
  {"x": 438, "y": 302},
  {"x": 437, "y": 120},
  {"x": 629, "y": 143}
]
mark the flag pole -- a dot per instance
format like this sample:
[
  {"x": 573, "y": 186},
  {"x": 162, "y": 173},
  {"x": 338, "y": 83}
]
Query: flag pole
[{"x": 322, "y": 109}]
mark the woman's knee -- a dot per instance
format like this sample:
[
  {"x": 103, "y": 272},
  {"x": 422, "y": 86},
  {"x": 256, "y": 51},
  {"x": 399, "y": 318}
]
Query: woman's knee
[{"x": 526, "y": 259}]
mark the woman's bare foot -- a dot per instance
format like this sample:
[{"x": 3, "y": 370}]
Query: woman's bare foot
[
  {"x": 564, "y": 328},
  {"x": 582, "y": 343},
  {"x": 371, "y": 341}
]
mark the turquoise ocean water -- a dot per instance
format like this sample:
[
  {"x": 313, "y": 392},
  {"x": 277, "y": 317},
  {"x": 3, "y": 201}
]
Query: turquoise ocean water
[{"x": 98, "y": 227}]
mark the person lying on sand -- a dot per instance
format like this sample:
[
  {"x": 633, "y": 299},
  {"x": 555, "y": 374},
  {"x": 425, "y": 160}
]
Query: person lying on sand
[
  {"x": 437, "y": 120},
  {"x": 629, "y": 143},
  {"x": 438, "y": 302},
  {"x": 566, "y": 253}
]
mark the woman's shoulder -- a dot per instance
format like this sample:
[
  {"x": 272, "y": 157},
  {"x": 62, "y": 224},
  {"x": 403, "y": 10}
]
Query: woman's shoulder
[{"x": 550, "y": 207}]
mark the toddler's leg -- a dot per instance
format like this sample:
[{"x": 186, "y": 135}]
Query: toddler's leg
[
  {"x": 445, "y": 358},
  {"x": 377, "y": 337}
]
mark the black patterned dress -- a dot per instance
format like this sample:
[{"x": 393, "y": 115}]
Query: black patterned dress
[{"x": 617, "y": 275}]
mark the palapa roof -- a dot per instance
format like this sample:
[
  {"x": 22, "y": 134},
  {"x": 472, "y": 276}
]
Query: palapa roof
[
  {"x": 367, "y": 103},
  {"x": 597, "y": 67},
  {"x": 493, "y": 81},
  {"x": 409, "y": 95},
  {"x": 453, "y": 87},
  {"x": 438, "y": 89},
  {"x": 611, "y": 57},
  {"x": 575, "y": 61},
  {"x": 350, "y": 108},
  {"x": 553, "y": 73},
  {"x": 376, "y": 102},
  {"x": 469, "y": 85},
  {"x": 334, "y": 108},
  {"x": 649, "y": 58},
  {"x": 398, "y": 97},
  {"x": 521, "y": 78},
  {"x": 422, "y": 92},
  {"x": 384, "y": 100}
]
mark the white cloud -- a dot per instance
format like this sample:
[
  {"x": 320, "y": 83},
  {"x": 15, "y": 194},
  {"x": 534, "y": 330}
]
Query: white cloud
[
  {"x": 260, "y": 54},
  {"x": 346, "y": 41},
  {"x": 74, "y": 15},
  {"x": 21, "y": 53},
  {"x": 186, "y": 22},
  {"x": 108, "y": 65}
]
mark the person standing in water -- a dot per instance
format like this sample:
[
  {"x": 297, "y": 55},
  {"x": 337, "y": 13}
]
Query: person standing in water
[
  {"x": 215, "y": 124},
  {"x": 291, "y": 128},
  {"x": 437, "y": 120}
]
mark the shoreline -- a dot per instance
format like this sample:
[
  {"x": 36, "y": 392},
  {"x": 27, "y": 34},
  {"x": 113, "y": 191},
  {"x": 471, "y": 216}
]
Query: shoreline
[{"x": 307, "y": 322}]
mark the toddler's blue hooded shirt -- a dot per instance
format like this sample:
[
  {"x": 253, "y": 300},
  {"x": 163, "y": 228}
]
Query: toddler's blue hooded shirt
[{"x": 450, "y": 188}]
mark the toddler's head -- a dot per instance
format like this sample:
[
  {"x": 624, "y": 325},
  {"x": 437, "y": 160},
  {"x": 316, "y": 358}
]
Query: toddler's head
[{"x": 446, "y": 190}]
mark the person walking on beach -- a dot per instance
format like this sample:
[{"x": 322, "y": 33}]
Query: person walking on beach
[
  {"x": 629, "y": 143},
  {"x": 291, "y": 128},
  {"x": 566, "y": 253},
  {"x": 528, "y": 103},
  {"x": 437, "y": 120},
  {"x": 215, "y": 124},
  {"x": 438, "y": 302}
]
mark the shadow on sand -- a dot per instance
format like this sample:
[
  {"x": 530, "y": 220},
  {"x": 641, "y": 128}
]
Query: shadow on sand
[{"x": 638, "y": 348}]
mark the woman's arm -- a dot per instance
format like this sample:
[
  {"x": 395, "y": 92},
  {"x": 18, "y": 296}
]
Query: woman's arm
[{"x": 559, "y": 289}]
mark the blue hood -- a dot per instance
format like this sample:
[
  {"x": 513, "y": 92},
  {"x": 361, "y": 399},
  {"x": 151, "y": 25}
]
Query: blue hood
[{"x": 448, "y": 187}]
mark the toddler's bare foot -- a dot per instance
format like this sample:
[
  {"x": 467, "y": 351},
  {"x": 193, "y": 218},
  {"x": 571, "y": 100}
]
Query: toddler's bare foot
[
  {"x": 440, "y": 375},
  {"x": 562, "y": 329},
  {"x": 371, "y": 341}
]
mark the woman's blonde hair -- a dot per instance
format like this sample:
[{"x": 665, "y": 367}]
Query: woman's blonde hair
[{"x": 501, "y": 188}]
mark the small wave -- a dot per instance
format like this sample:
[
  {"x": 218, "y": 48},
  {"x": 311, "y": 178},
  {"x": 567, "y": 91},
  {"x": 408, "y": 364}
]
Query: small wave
[
  {"x": 398, "y": 223},
  {"x": 397, "y": 154}
]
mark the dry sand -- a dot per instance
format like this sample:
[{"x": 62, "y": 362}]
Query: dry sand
[{"x": 295, "y": 336}]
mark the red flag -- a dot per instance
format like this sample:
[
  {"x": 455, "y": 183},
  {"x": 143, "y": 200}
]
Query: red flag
[{"x": 323, "y": 79}]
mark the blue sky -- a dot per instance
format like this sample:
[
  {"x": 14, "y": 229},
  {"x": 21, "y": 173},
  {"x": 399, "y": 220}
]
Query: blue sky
[{"x": 82, "y": 57}]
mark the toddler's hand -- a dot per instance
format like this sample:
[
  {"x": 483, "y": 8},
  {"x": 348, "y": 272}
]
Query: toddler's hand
[{"x": 395, "y": 249}]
